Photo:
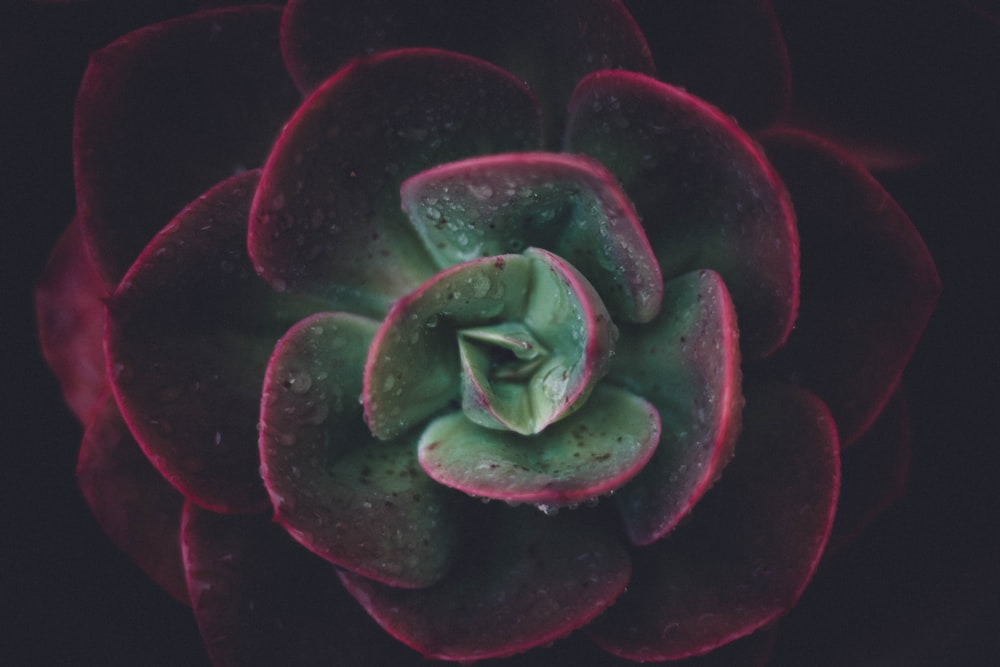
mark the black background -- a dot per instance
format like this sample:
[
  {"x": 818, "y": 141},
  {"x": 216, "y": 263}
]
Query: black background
[{"x": 921, "y": 587}]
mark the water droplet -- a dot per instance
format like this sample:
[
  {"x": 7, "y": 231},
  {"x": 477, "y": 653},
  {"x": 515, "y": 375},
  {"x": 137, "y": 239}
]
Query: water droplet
[
  {"x": 298, "y": 382},
  {"x": 480, "y": 285},
  {"x": 483, "y": 192},
  {"x": 555, "y": 382}
]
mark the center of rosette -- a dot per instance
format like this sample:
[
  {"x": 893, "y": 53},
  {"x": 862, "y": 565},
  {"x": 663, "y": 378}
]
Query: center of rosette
[
  {"x": 522, "y": 339},
  {"x": 486, "y": 366}
]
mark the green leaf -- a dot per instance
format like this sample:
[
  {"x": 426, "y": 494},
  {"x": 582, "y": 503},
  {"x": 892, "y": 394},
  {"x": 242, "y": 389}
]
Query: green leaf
[
  {"x": 363, "y": 505},
  {"x": 589, "y": 454},
  {"x": 445, "y": 334},
  {"x": 568, "y": 204}
]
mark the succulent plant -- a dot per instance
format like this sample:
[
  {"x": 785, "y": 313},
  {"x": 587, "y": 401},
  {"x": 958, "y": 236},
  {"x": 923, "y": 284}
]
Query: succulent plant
[{"x": 456, "y": 314}]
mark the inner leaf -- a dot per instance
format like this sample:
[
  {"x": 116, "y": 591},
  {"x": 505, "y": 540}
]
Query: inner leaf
[
  {"x": 570, "y": 204},
  {"x": 591, "y": 453},
  {"x": 522, "y": 339}
]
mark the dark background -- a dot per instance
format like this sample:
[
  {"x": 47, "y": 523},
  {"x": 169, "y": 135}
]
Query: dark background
[{"x": 921, "y": 586}]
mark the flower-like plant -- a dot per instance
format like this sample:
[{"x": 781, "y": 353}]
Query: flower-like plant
[{"x": 491, "y": 318}]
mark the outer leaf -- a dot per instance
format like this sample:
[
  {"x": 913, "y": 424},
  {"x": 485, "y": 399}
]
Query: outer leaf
[
  {"x": 582, "y": 457},
  {"x": 69, "y": 305},
  {"x": 165, "y": 112},
  {"x": 705, "y": 193},
  {"x": 869, "y": 282},
  {"x": 875, "y": 468},
  {"x": 326, "y": 216},
  {"x": 550, "y": 44},
  {"x": 751, "y": 546},
  {"x": 189, "y": 332},
  {"x": 530, "y": 579},
  {"x": 687, "y": 363},
  {"x": 577, "y": 649},
  {"x": 567, "y": 204},
  {"x": 729, "y": 53},
  {"x": 134, "y": 505},
  {"x": 261, "y": 600},
  {"x": 365, "y": 506}
]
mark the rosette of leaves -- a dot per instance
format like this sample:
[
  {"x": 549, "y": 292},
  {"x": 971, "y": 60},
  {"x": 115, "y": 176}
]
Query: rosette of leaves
[{"x": 466, "y": 316}]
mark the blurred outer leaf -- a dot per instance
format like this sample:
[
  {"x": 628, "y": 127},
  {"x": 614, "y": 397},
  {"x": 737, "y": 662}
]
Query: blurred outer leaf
[
  {"x": 362, "y": 504},
  {"x": 550, "y": 44},
  {"x": 167, "y": 111},
  {"x": 753, "y": 542},
  {"x": 687, "y": 364},
  {"x": 261, "y": 600},
  {"x": 189, "y": 333},
  {"x": 869, "y": 284},
  {"x": 730, "y": 53},
  {"x": 326, "y": 218},
  {"x": 874, "y": 470},
  {"x": 69, "y": 305},
  {"x": 704, "y": 192},
  {"x": 525, "y": 580},
  {"x": 134, "y": 505}
]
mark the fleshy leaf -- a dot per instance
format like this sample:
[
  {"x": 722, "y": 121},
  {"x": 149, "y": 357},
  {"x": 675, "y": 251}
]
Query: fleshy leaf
[
  {"x": 706, "y": 195},
  {"x": 446, "y": 333},
  {"x": 165, "y": 112},
  {"x": 687, "y": 364},
  {"x": 189, "y": 333},
  {"x": 550, "y": 45},
  {"x": 875, "y": 469},
  {"x": 261, "y": 599},
  {"x": 752, "y": 545},
  {"x": 134, "y": 505},
  {"x": 868, "y": 281},
  {"x": 368, "y": 508},
  {"x": 525, "y": 580},
  {"x": 591, "y": 453},
  {"x": 567, "y": 204},
  {"x": 69, "y": 305},
  {"x": 326, "y": 217},
  {"x": 731, "y": 54}
]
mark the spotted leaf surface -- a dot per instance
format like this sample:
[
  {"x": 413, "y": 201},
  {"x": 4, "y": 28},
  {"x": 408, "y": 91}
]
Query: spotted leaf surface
[
  {"x": 362, "y": 504},
  {"x": 189, "y": 333},
  {"x": 539, "y": 367},
  {"x": 707, "y": 196},
  {"x": 326, "y": 218},
  {"x": 569, "y": 205},
  {"x": 524, "y": 581},
  {"x": 687, "y": 364},
  {"x": 591, "y": 453}
]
